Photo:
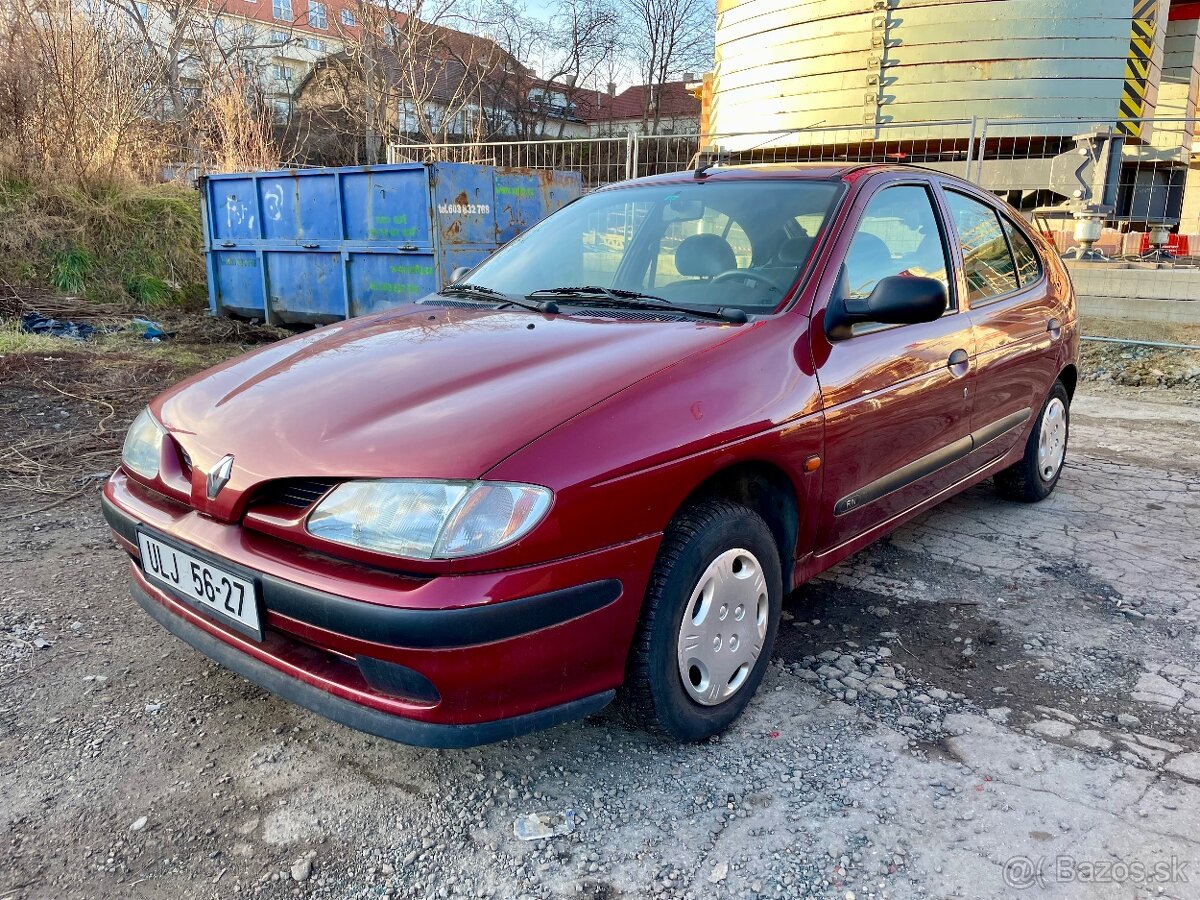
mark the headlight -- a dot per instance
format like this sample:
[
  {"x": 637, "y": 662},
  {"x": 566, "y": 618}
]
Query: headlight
[
  {"x": 143, "y": 445},
  {"x": 428, "y": 519}
]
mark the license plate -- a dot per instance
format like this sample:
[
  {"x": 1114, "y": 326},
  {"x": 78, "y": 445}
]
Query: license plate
[{"x": 207, "y": 587}]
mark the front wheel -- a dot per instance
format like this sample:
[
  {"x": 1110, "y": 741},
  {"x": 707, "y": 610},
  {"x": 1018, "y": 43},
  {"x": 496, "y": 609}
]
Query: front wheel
[
  {"x": 1033, "y": 478},
  {"x": 708, "y": 624}
]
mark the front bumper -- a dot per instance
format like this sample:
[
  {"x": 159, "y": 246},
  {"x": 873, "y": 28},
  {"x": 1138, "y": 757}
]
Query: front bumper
[{"x": 449, "y": 661}]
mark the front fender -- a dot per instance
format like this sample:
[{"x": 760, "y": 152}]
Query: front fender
[{"x": 622, "y": 468}]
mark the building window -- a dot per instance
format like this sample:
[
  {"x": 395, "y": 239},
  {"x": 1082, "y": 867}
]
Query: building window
[
  {"x": 143, "y": 10},
  {"x": 280, "y": 72},
  {"x": 315, "y": 45},
  {"x": 348, "y": 18},
  {"x": 282, "y": 10},
  {"x": 282, "y": 110},
  {"x": 279, "y": 37},
  {"x": 408, "y": 116},
  {"x": 316, "y": 15}
]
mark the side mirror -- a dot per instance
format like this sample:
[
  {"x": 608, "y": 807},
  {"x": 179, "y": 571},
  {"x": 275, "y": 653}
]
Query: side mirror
[
  {"x": 458, "y": 274},
  {"x": 896, "y": 300}
]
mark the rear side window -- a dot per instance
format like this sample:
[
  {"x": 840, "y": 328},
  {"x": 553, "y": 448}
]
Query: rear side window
[
  {"x": 1029, "y": 269},
  {"x": 987, "y": 262}
]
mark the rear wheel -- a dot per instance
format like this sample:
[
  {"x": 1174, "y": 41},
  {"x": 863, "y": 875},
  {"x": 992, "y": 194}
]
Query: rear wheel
[
  {"x": 1033, "y": 478},
  {"x": 708, "y": 624}
]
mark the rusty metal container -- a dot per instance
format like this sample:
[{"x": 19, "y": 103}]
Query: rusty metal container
[{"x": 317, "y": 245}]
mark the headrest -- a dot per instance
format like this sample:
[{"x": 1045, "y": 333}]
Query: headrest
[
  {"x": 794, "y": 251},
  {"x": 868, "y": 251},
  {"x": 704, "y": 255}
]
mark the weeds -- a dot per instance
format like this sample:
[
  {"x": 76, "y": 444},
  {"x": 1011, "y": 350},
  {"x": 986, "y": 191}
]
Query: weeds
[
  {"x": 149, "y": 291},
  {"x": 108, "y": 243},
  {"x": 69, "y": 270}
]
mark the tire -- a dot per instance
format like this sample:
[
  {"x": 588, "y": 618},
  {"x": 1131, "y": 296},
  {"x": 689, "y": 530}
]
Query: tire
[
  {"x": 732, "y": 550},
  {"x": 1033, "y": 478}
]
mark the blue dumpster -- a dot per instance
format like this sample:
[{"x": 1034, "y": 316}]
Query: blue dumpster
[{"x": 317, "y": 245}]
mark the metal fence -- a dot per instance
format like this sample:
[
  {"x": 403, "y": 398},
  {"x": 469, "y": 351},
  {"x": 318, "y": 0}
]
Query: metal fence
[{"x": 1090, "y": 186}]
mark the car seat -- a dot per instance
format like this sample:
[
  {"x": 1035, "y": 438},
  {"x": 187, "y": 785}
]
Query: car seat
[{"x": 704, "y": 256}]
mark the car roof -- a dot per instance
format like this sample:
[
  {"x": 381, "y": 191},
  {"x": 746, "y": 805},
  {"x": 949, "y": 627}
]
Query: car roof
[{"x": 801, "y": 171}]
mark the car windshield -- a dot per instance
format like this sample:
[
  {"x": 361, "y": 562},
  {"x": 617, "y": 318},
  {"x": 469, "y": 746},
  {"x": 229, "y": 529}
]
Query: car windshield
[{"x": 703, "y": 244}]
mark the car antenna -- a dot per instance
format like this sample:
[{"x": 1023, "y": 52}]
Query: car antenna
[{"x": 706, "y": 159}]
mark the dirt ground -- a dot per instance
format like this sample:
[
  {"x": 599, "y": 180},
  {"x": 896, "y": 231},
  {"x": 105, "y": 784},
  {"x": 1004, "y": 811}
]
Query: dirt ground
[{"x": 999, "y": 700}]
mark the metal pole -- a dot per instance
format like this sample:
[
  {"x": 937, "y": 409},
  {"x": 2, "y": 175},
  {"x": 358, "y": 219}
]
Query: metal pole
[
  {"x": 982, "y": 153},
  {"x": 971, "y": 146},
  {"x": 1160, "y": 344}
]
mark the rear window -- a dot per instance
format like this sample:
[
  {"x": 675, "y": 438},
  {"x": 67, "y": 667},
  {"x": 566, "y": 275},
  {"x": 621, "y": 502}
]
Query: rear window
[
  {"x": 1029, "y": 267},
  {"x": 987, "y": 262}
]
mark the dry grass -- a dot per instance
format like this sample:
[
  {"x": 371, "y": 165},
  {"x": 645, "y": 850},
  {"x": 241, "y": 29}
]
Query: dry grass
[
  {"x": 112, "y": 243},
  {"x": 66, "y": 405}
]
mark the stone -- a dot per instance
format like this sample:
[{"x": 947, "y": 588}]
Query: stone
[
  {"x": 1052, "y": 728},
  {"x": 719, "y": 873},
  {"x": 1158, "y": 744},
  {"x": 302, "y": 871},
  {"x": 139, "y": 823},
  {"x": 1125, "y": 720},
  {"x": 1150, "y": 683},
  {"x": 1092, "y": 738},
  {"x": 881, "y": 690},
  {"x": 1135, "y": 752},
  {"x": 1186, "y": 765}
]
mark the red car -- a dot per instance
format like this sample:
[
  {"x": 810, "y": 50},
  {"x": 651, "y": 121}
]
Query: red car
[{"x": 592, "y": 468}]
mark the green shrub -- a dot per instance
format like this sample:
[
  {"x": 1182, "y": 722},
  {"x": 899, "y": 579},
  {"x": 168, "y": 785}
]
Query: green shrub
[
  {"x": 69, "y": 270},
  {"x": 149, "y": 290}
]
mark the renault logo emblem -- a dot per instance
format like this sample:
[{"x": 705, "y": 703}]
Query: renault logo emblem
[{"x": 218, "y": 476}]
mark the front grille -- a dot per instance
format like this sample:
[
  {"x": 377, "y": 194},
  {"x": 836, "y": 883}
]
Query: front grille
[
  {"x": 185, "y": 461},
  {"x": 300, "y": 493}
]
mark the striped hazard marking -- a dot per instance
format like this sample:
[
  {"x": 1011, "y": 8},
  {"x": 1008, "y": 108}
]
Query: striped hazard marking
[{"x": 1137, "y": 67}]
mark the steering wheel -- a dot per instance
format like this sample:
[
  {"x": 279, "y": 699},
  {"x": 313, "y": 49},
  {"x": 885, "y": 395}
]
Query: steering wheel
[{"x": 747, "y": 275}]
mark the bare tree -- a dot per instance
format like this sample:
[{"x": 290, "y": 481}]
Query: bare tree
[
  {"x": 416, "y": 71},
  {"x": 89, "y": 109},
  {"x": 666, "y": 38},
  {"x": 238, "y": 135},
  {"x": 570, "y": 49}
]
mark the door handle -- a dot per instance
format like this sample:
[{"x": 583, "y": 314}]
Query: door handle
[
  {"x": 958, "y": 363},
  {"x": 1055, "y": 328}
]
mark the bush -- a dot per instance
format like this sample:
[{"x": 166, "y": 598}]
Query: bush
[
  {"x": 70, "y": 269},
  {"x": 109, "y": 242}
]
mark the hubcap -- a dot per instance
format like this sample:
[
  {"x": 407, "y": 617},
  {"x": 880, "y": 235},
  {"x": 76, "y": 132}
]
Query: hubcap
[
  {"x": 724, "y": 627},
  {"x": 1052, "y": 439}
]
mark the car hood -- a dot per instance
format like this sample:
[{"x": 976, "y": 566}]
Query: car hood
[{"x": 424, "y": 391}]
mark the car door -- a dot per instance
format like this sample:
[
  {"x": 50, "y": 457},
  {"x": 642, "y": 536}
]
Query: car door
[
  {"x": 1013, "y": 314},
  {"x": 896, "y": 398}
]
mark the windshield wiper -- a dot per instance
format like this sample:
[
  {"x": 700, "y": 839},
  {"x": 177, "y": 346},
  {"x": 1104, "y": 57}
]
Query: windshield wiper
[
  {"x": 482, "y": 292},
  {"x": 623, "y": 299}
]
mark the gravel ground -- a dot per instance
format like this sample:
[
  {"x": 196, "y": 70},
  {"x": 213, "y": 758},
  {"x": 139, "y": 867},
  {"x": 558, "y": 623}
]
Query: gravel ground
[{"x": 998, "y": 697}]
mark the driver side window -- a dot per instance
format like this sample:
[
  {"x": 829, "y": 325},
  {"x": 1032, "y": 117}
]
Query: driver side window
[{"x": 898, "y": 235}]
